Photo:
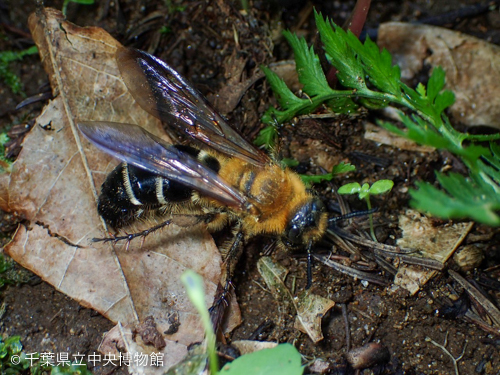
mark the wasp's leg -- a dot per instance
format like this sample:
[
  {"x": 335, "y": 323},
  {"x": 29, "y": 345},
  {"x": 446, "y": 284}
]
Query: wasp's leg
[
  {"x": 179, "y": 220},
  {"x": 231, "y": 257}
]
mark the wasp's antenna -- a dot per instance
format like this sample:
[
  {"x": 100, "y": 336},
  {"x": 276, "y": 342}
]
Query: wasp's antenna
[
  {"x": 333, "y": 220},
  {"x": 309, "y": 265}
]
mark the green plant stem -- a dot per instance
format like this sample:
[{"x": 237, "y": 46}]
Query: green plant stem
[
  {"x": 370, "y": 217},
  {"x": 194, "y": 286},
  {"x": 65, "y": 7},
  {"x": 482, "y": 137}
]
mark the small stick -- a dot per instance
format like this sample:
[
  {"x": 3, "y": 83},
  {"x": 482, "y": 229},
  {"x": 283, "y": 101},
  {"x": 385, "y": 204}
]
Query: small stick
[
  {"x": 347, "y": 329},
  {"x": 443, "y": 348}
]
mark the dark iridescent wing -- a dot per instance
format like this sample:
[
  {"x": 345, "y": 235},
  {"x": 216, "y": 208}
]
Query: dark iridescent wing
[
  {"x": 162, "y": 92},
  {"x": 135, "y": 145}
]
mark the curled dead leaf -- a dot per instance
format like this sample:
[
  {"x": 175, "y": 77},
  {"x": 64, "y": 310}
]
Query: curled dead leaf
[{"x": 53, "y": 187}]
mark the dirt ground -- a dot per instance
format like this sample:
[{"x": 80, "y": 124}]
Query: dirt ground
[{"x": 196, "y": 39}]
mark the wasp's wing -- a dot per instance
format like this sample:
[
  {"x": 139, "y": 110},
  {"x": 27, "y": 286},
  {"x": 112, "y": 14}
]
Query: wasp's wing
[
  {"x": 135, "y": 145},
  {"x": 162, "y": 92}
]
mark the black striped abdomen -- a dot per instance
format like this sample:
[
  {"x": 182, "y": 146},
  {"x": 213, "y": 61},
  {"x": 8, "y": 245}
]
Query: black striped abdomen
[{"x": 128, "y": 191}]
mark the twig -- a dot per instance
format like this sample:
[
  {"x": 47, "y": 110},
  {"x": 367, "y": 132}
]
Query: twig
[
  {"x": 351, "y": 271},
  {"x": 346, "y": 326},
  {"x": 476, "y": 295},
  {"x": 396, "y": 250},
  {"x": 443, "y": 348}
]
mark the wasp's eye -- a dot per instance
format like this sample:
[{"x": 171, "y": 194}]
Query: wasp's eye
[
  {"x": 293, "y": 234},
  {"x": 304, "y": 220}
]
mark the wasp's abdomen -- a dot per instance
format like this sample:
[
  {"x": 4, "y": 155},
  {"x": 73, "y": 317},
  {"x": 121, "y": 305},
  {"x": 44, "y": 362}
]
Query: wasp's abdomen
[{"x": 128, "y": 191}]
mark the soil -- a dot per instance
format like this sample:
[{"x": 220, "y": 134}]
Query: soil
[{"x": 196, "y": 38}]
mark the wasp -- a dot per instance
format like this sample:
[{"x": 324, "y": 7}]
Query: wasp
[{"x": 221, "y": 178}]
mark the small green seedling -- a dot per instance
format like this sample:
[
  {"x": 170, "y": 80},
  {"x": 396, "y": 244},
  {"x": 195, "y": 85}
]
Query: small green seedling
[
  {"x": 283, "y": 359},
  {"x": 66, "y": 2},
  {"x": 336, "y": 170},
  {"x": 196, "y": 293},
  {"x": 364, "y": 192},
  {"x": 318, "y": 178}
]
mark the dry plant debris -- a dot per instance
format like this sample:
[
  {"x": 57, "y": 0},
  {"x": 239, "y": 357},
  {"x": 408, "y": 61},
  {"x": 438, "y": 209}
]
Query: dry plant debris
[
  {"x": 471, "y": 65},
  {"x": 310, "y": 308},
  {"x": 53, "y": 187},
  {"x": 432, "y": 242}
]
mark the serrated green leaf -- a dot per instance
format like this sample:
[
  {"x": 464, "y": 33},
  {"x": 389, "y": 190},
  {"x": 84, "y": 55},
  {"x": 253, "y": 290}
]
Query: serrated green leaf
[
  {"x": 9, "y": 56},
  {"x": 493, "y": 160},
  {"x": 443, "y": 101},
  {"x": 66, "y": 3},
  {"x": 308, "y": 66},
  {"x": 421, "y": 90},
  {"x": 13, "y": 343},
  {"x": 284, "y": 96},
  {"x": 472, "y": 152},
  {"x": 315, "y": 179},
  {"x": 419, "y": 132},
  {"x": 72, "y": 369},
  {"x": 457, "y": 186},
  {"x": 495, "y": 149},
  {"x": 342, "y": 168},
  {"x": 427, "y": 125},
  {"x": 287, "y": 162},
  {"x": 377, "y": 65},
  {"x": 336, "y": 170},
  {"x": 350, "y": 73},
  {"x": 274, "y": 116},
  {"x": 416, "y": 101},
  {"x": 4, "y": 138},
  {"x": 436, "y": 202},
  {"x": 393, "y": 128},
  {"x": 267, "y": 137},
  {"x": 488, "y": 178},
  {"x": 435, "y": 83}
]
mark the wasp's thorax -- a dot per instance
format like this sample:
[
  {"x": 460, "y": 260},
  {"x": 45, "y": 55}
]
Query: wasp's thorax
[{"x": 285, "y": 208}]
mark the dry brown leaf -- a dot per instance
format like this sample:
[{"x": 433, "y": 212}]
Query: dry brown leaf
[
  {"x": 230, "y": 95},
  {"x": 380, "y": 135},
  {"x": 250, "y": 346},
  {"x": 472, "y": 66},
  {"x": 310, "y": 308},
  {"x": 53, "y": 187},
  {"x": 433, "y": 242}
]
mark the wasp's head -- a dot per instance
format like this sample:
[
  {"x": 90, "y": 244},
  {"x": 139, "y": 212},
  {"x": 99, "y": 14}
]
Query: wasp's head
[{"x": 307, "y": 224}]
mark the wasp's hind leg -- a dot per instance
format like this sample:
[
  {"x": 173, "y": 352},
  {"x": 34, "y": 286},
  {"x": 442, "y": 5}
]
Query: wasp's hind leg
[
  {"x": 181, "y": 220},
  {"x": 231, "y": 254}
]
